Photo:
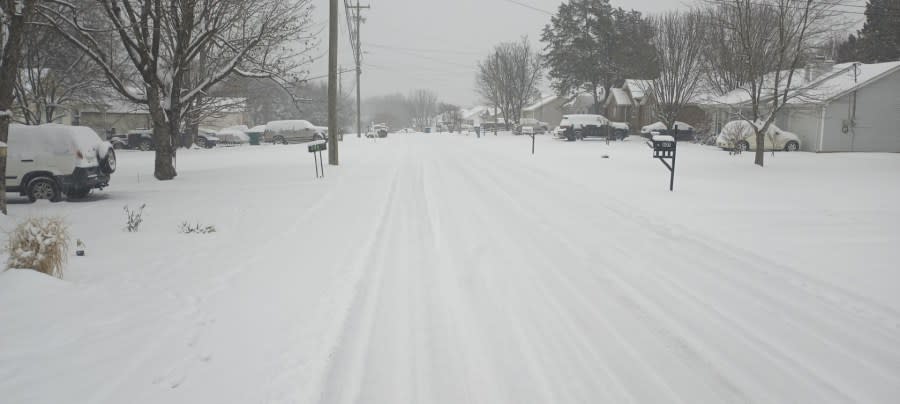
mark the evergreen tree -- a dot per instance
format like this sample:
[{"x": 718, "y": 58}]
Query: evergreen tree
[
  {"x": 590, "y": 46},
  {"x": 880, "y": 36}
]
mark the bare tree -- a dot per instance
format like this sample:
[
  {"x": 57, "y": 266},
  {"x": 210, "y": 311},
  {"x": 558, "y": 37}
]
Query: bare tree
[
  {"x": 772, "y": 39},
  {"x": 164, "y": 38},
  {"x": 54, "y": 78},
  {"x": 679, "y": 55},
  {"x": 422, "y": 106},
  {"x": 509, "y": 77},
  {"x": 14, "y": 14}
]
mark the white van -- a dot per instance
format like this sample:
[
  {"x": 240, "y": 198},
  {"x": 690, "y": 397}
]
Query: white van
[{"x": 49, "y": 161}]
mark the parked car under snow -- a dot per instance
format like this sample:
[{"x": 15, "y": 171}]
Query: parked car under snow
[
  {"x": 293, "y": 131},
  {"x": 49, "y": 161},
  {"x": 740, "y": 135},
  {"x": 684, "y": 132}
]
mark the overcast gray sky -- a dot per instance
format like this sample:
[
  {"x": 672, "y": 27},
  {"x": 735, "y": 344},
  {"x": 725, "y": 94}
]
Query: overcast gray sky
[{"x": 435, "y": 44}]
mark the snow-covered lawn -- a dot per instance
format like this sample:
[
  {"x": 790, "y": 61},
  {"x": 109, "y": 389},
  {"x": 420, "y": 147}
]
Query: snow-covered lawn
[{"x": 448, "y": 268}]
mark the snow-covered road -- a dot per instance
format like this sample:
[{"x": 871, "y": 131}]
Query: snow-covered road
[{"x": 450, "y": 269}]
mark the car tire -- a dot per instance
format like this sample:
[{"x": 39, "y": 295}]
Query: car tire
[
  {"x": 118, "y": 146},
  {"x": 78, "y": 193},
  {"x": 743, "y": 146},
  {"x": 145, "y": 145},
  {"x": 201, "y": 143},
  {"x": 108, "y": 164},
  {"x": 279, "y": 140},
  {"x": 792, "y": 146},
  {"x": 43, "y": 188}
]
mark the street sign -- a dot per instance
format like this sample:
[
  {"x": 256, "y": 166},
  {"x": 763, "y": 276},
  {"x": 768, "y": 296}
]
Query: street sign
[{"x": 316, "y": 148}]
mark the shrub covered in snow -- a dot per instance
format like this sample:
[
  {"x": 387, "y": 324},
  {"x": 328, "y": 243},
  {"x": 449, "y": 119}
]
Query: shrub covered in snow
[{"x": 40, "y": 244}]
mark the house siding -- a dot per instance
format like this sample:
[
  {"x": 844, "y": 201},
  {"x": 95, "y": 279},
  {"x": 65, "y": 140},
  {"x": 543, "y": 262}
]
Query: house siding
[{"x": 877, "y": 120}]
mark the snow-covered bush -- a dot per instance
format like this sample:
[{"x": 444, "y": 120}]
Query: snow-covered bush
[
  {"x": 187, "y": 228},
  {"x": 41, "y": 244},
  {"x": 134, "y": 218}
]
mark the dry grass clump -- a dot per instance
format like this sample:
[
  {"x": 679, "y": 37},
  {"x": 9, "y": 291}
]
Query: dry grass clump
[
  {"x": 41, "y": 244},
  {"x": 187, "y": 228}
]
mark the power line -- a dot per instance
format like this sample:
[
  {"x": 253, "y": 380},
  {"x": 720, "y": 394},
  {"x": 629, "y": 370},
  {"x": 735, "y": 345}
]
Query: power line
[
  {"x": 529, "y": 6},
  {"x": 821, "y": 7},
  {"x": 429, "y": 58},
  {"x": 424, "y": 50}
]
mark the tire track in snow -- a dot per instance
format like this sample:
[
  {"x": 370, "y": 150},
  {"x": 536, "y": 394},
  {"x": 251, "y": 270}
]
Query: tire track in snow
[
  {"x": 576, "y": 203},
  {"x": 498, "y": 185}
]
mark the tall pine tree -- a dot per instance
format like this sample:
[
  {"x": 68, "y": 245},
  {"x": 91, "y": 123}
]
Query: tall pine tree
[
  {"x": 590, "y": 46},
  {"x": 879, "y": 39}
]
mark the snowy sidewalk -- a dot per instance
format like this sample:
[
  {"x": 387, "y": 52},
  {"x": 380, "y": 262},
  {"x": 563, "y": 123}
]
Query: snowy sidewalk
[{"x": 439, "y": 268}]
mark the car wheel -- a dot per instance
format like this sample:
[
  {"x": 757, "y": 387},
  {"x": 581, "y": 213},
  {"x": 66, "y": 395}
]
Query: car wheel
[
  {"x": 201, "y": 143},
  {"x": 145, "y": 145},
  {"x": 43, "y": 188},
  {"x": 118, "y": 146},
  {"x": 78, "y": 193},
  {"x": 279, "y": 140},
  {"x": 792, "y": 146},
  {"x": 108, "y": 164},
  {"x": 743, "y": 146}
]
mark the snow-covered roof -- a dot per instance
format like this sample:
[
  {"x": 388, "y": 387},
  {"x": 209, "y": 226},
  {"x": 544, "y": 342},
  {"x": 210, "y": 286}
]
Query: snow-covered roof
[
  {"x": 842, "y": 79},
  {"x": 619, "y": 96},
  {"x": 834, "y": 83},
  {"x": 473, "y": 112},
  {"x": 541, "y": 103},
  {"x": 580, "y": 99}
]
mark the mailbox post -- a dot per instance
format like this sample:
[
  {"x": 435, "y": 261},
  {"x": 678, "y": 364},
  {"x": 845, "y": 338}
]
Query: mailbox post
[
  {"x": 664, "y": 148},
  {"x": 316, "y": 148}
]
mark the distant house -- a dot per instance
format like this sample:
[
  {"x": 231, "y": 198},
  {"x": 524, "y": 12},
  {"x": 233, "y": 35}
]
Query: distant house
[
  {"x": 581, "y": 103},
  {"x": 548, "y": 109},
  {"x": 619, "y": 105},
  {"x": 849, "y": 107},
  {"x": 643, "y": 112},
  {"x": 474, "y": 116},
  {"x": 113, "y": 115}
]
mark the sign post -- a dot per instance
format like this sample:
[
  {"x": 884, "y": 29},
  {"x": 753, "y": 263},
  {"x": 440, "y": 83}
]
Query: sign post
[
  {"x": 664, "y": 148},
  {"x": 316, "y": 148}
]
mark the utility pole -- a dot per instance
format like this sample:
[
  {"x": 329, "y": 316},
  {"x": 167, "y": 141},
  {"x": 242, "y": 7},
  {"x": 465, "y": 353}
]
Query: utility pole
[
  {"x": 356, "y": 42},
  {"x": 332, "y": 84}
]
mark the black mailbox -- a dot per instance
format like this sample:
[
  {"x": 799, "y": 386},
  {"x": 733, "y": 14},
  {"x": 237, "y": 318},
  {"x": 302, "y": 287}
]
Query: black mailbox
[{"x": 664, "y": 147}]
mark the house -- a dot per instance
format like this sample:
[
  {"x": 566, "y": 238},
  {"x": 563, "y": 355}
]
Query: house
[
  {"x": 548, "y": 109},
  {"x": 112, "y": 115},
  {"x": 474, "y": 116},
  {"x": 854, "y": 108},
  {"x": 848, "y": 107},
  {"x": 619, "y": 105},
  {"x": 581, "y": 103},
  {"x": 642, "y": 113}
]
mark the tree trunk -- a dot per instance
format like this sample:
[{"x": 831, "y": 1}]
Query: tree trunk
[
  {"x": 164, "y": 168},
  {"x": 760, "y": 149},
  {"x": 8, "y": 69}
]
